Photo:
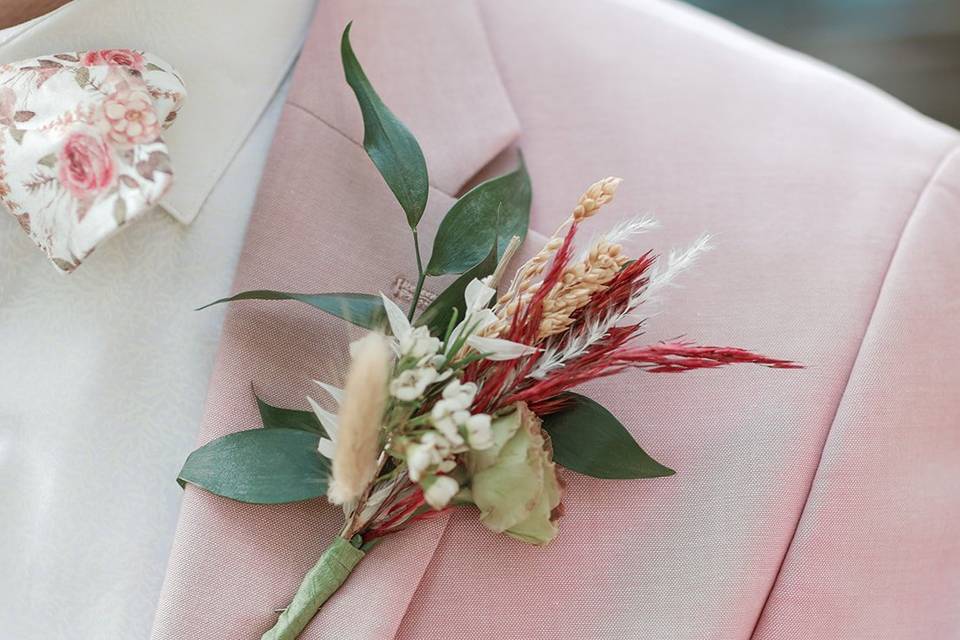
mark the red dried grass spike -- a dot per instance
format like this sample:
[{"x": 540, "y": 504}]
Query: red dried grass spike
[{"x": 674, "y": 357}]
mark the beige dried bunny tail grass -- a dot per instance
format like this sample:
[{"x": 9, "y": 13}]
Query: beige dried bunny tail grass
[{"x": 360, "y": 415}]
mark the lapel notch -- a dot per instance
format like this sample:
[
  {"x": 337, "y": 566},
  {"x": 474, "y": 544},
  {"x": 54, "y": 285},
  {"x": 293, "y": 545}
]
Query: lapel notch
[{"x": 431, "y": 63}]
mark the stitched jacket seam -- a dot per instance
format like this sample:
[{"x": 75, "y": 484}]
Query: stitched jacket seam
[
  {"x": 337, "y": 130},
  {"x": 918, "y": 204},
  {"x": 530, "y": 231}
]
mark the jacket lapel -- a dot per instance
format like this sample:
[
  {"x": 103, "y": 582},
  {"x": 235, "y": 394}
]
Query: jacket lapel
[
  {"x": 431, "y": 63},
  {"x": 326, "y": 221}
]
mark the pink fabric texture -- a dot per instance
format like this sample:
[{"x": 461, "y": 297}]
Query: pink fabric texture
[{"x": 814, "y": 503}]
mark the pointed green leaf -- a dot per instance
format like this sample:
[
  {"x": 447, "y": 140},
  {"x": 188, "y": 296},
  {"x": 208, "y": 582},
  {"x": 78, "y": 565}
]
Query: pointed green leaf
[
  {"x": 437, "y": 315},
  {"x": 362, "y": 309},
  {"x": 260, "y": 466},
  {"x": 278, "y": 418},
  {"x": 387, "y": 141},
  {"x": 470, "y": 227},
  {"x": 589, "y": 440}
]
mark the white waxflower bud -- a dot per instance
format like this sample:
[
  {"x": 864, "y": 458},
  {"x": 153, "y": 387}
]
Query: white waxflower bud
[
  {"x": 437, "y": 443},
  {"x": 419, "y": 344},
  {"x": 411, "y": 384},
  {"x": 418, "y": 460},
  {"x": 444, "y": 422},
  {"x": 432, "y": 449},
  {"x": 479, "y": 434},
  {"x": 439, "y": 490},
  {"x": 459, "y": 395}
]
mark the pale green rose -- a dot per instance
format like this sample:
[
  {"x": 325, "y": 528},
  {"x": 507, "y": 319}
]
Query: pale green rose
[{"x": 514, "y": 482}]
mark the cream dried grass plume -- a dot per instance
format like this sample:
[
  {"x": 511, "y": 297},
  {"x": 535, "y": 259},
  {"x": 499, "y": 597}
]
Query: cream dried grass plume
[
  {"x": 523, "y": 287},
  {"x": 360, "y": 417}
]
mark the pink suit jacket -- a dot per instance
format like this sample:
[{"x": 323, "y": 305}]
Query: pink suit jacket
[{"x": 822, "y": 503}]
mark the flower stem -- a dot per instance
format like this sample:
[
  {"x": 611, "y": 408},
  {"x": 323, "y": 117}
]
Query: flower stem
[
  {"x": 331, "y": 571},
  {"x": 421, "y": 276},
  {"x": 351, "y": 527}
]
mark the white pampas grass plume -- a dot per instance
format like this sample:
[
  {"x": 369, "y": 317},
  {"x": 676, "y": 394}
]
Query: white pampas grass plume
[
  {"x": 359, "y": 418},
  {"x": 621, "y": 232},
  {"x": 678, "y": 261},
  {"x": 626, "y": 229}
]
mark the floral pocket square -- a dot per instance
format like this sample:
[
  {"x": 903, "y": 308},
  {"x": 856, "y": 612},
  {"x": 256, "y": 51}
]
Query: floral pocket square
[{"x": 81, "y": 151}]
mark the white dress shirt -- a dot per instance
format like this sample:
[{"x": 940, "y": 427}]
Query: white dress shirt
[{"x": 103, "y": 373}]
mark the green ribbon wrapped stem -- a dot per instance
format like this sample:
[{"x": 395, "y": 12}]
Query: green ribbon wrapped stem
[{"x": 331, "y": 571}]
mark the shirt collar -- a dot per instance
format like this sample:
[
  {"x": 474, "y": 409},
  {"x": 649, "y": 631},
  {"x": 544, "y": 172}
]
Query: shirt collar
[{"x": 229, "y": 80}]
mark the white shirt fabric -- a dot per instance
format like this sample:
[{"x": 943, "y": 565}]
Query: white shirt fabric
[{"x": 103, "y": 376}]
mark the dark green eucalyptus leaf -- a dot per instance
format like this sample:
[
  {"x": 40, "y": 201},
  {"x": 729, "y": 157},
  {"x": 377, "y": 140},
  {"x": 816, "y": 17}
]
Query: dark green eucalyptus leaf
[
  {"x": 589, "y": 440},
  {"x": 260, "y": 466},
  {"x": 437, "y": 315},
  {"x": 387, "y": 141},
  {"x": 471, "y": 225},
  {"x": 362, "y": 309},
  {"x": 279, "y": 418}
]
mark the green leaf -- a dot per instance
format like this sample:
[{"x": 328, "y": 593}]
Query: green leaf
[
  {"x": 437, "y": 315},
  {"x": 278, "y": 418},
  {"x": 589, "y": 440},
  {"x": 362, "y": 309},
  {"x": 387, "y": 141},
  {"x": 471, "y": 225},
  {"x": 260, "y": 466}
]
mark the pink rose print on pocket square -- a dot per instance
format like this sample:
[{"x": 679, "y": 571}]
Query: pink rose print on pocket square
[{"x": 81, "y": 147}]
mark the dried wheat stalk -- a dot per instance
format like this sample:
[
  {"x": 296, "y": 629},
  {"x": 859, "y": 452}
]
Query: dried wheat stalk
[
  {"x": 578, "y": 283},
  {"x": 523, "y": 286}
]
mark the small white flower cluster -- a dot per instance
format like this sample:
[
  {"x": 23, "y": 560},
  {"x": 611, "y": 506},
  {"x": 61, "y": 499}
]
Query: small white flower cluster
[
  {"x": 451, "y": 412},
  {"x": 418, "y": 345},
  {"x": 455, "y": 430},
  {"x": 422, "y": 363}
]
